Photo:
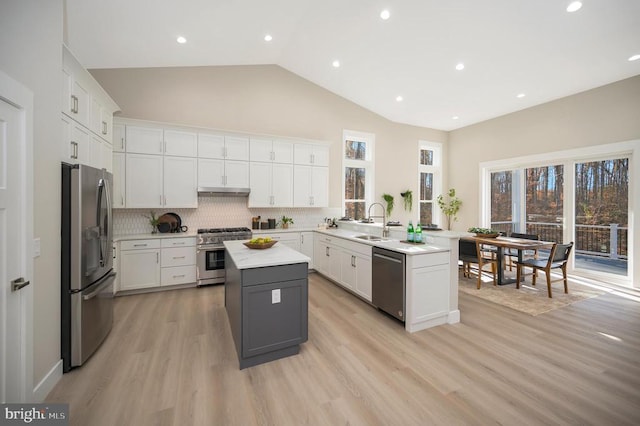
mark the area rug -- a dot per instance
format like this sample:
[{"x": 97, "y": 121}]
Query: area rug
[{"x": 528, "y": 299}]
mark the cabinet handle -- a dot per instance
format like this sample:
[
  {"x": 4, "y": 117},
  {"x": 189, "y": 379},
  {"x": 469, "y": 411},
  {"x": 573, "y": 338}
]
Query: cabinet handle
[
  {"x": 302, "y": 238},
  {"x": 122, "y": 143},
  {"x": 139, "y": 245},
  {"x": 326, "y": 251},
  {"x": 74, "y": 150},
  {"x": 313, "y": 159},
  {"x": 178, "y": 244},
  {"x": 104, "y": 127},
  {"x": 157, "y": 257},
  {"x": 178, "y": 276},
  {"x": 161, "y": 200},
  {"x": 178, "y": 257},
  {"x": 122, "y": 200},
  {"x": 74, "y": 104},
  {"x": 272, "y": 156}
]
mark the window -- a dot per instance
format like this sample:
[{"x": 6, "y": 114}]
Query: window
[
  {"x": 429, "y": 174},
  {"x": 358, "y": 149}
]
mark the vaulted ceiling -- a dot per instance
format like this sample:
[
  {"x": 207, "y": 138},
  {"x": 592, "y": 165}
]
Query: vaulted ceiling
[{"x": 515, "y": 53}]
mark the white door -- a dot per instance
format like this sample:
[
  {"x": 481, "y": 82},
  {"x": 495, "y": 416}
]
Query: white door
[
  {"x": 260, "y": 180},
  {"x": 320, "y": 186},
  {"x": 15, "y": 231},
  {"x": 143, "y": 184},
  {"x": 282, "y": 185},
  {"x": 180, "y": 182}
]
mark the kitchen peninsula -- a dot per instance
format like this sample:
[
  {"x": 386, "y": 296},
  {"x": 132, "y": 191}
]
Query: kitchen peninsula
[{"x": 266, "y": 298}]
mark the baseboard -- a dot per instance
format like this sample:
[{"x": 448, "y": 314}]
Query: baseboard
[{"x": 45, "y": 386}]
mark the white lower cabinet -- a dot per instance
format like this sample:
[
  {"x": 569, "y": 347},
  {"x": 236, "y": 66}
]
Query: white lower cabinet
[
  {"x": 156, "y": 262},
  {"x": 139, "y": 264},
  {"x": 306, "y": 246},
  {"x": 347, "y": 263},
  {"x": 289, "y": 239}
]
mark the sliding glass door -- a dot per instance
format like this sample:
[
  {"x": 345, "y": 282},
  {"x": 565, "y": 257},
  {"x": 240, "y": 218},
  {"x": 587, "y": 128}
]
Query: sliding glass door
[{"x": 590, "y": 206}]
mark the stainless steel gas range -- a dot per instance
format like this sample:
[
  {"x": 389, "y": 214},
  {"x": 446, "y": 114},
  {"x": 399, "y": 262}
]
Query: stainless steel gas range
[{"x": 210, "y": 252}]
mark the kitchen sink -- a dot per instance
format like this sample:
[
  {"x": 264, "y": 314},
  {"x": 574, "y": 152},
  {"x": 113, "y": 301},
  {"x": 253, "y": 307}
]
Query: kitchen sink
[{"x": 371, "y": 238}]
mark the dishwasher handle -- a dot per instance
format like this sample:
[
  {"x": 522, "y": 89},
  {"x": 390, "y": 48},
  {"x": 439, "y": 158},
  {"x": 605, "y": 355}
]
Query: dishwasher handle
[{"x": 391, "y": 259}]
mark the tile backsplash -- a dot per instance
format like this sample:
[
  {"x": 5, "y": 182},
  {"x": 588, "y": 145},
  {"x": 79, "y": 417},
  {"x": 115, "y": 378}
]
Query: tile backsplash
[{"x": 215, "y": 211}]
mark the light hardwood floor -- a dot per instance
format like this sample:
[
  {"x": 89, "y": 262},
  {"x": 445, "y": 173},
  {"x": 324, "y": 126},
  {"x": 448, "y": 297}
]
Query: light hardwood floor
[{"x": 170, "y": 360}]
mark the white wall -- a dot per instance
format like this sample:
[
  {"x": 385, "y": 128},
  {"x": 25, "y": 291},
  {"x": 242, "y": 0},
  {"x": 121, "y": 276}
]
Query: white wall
[{"x": 31, "y": 52}]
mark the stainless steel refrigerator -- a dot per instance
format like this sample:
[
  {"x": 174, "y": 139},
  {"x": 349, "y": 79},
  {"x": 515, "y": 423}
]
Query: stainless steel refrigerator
[{"x": 87, "y": 274}]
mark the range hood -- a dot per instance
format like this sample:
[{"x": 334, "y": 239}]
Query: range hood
[{"x": 238, "y": 192}]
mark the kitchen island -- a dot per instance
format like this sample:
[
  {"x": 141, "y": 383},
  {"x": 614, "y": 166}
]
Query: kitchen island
[{"x": 266, "y": 298}]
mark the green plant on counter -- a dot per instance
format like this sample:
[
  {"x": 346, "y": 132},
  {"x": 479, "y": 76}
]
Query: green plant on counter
[
  {"x": 286, "y": 221},
  {"x": 389, "y": 200},
  {"x": 153, "y": 221},
  {"x": 451, "y": 207},
  {"x": 407, "y": 197},
  {"x": 481, "y": 231}
]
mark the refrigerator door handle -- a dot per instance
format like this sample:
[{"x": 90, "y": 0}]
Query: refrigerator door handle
[
  {"x": 105, "y": 282},
  {"x": 103, "y": 239},
  {"x": 109, "y": 225}
]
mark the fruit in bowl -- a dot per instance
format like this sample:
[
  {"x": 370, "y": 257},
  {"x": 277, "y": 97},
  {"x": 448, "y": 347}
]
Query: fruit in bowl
[{"x": 260, "y": 242}]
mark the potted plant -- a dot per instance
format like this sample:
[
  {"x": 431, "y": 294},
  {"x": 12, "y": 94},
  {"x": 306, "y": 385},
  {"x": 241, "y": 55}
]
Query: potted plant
[
  {"x": 407, "y": 197},
  {"x": 285, "y": 221},
  {"x": 451, "y": 207},
  {"x": 153, "y": 221},
  {"x": 388, "y": 198}
]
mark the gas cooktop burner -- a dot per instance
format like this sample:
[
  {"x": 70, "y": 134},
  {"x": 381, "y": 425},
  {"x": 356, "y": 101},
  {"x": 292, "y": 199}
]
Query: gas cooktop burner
[{"x": 215, "y": 236}]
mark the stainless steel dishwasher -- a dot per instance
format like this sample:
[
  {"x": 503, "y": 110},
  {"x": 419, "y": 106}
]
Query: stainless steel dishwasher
[{"x": 388, "y": 285}]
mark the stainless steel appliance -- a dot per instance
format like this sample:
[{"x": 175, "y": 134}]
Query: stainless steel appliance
[
  {"x": 388, "y": 285},
  {"x": 210, "y": 252},
  {"x": 87, "y": 275}
]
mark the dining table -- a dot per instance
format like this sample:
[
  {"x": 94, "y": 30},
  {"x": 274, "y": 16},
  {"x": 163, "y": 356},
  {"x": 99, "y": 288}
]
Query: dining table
[{"x": 501, "y": 243}]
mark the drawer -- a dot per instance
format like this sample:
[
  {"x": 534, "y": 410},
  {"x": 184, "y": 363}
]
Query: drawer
[
  {"x": 178, "y": 256},
  {"x": 178, "y": 275},
  {"x": 139, "y": 244},
  {"x": 286, "y": 237},
  {"x": 354, "y": 247},
  {"x": 179, "y": 242},
  {"x": 430, "y": 259}
]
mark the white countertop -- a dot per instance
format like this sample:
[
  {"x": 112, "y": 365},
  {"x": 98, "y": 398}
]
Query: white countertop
[
  {"x": 391, "y": 244},
  {"x": 279, "y": 254}
]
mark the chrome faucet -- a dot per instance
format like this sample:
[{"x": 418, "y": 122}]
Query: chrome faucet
[{"x": 385, "y": 229}]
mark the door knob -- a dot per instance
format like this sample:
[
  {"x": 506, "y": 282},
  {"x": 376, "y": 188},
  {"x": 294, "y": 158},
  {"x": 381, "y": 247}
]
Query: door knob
[{"x": 18, "y": 283}]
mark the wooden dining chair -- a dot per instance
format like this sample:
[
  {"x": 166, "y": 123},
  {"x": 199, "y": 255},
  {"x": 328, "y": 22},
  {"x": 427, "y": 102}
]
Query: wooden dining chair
[
  {"x": 558, "y": 258},
  {"x": 475, "y": 252}
]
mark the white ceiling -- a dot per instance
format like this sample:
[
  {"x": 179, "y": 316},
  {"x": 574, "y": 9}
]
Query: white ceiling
[{"x": 508, "y": 47}]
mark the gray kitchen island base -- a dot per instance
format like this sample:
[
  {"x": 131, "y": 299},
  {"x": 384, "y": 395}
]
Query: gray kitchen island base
[{"x": 267, "y": 309}]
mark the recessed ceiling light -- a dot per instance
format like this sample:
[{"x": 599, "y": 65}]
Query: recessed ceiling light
[
  {"x": 574, "y": 6},
  {"x": 268, "y": 37},
  {"x": 399, "y": 98},
  {"x": 336, "y": 64},
  {"x": 634, "y": 58},
  {"x": 521, "y": 95},
  {"x": 455, "y": 117},
  {"x": 385, "y": 14},
  {"x": 460, "y": 66},
  {"x": 181, "y": 40}
]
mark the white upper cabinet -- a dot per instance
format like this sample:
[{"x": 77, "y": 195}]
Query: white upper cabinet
[
  {"x": 101, "y": 121},
  {"x": 180, "y": 182},
  {"x": 271, "y": 185},
  {"x": 271, "y": 151},
  {"x": 118, "y": 180},
  {"x": 180, "y": 143},
  {"x": 311, "y": 154},
  {"x": 118, "y": 138},
  {"x": 310, "y": 186},
  {"x": 213, "y": 173},
  {"x": 223, "y": 147},
  {"x": 145, "y": 140},
  {"x": 143, "y": 188}
]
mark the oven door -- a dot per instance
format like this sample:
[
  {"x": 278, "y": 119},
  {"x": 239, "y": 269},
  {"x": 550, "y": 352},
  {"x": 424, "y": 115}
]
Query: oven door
[{"x": 210, "y": 264}]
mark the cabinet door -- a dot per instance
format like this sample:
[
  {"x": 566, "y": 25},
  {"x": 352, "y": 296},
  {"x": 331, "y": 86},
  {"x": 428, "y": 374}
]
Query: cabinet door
[
  {"x": 107, "y": 156},
  {"x": 261, "y": 149},
  {"x": 139, "y": 269},
  {"x": 78, "y": 146},
  {"x": 282, "y": 152},
  {"x": 333, "y": 263},
  {"x": 80, "y": 112},
  {"x": 118, "y": 180},
  {"x": 106, "y": 125},
  {"x": 144, "y": 181},
  {"x": 177, "y": 256},
  {"x": 180, "y": 144},
  {"x": 236, "y": 174},
  {"x": 363, "y": 276},
  {"x": 319, "y": 256},
  {"x": 95, "y": 121},
  {"x": 282, "y": 185},
  {"x": 307, "y": 246},
  {"x": 236, "y": 148},
  {"x": 210, "y": 146},
  {"x": 118, "y": 138},
  {"x": 95, "y": 152},
  {"x": 302, "y": 186},
  {"x": 178, "y": 275},
  {"x": 180, "y": 182},
  {"x": 260, "y": 184},
  {"x": 347, "y": 270},
  {"x": 319, "y": 186},
  {"x": 303, "y": 154},
  {"x": 210, "y": 173},
  {"x": 144, "y": 140},
  {"x": 67, "y": 101}
]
